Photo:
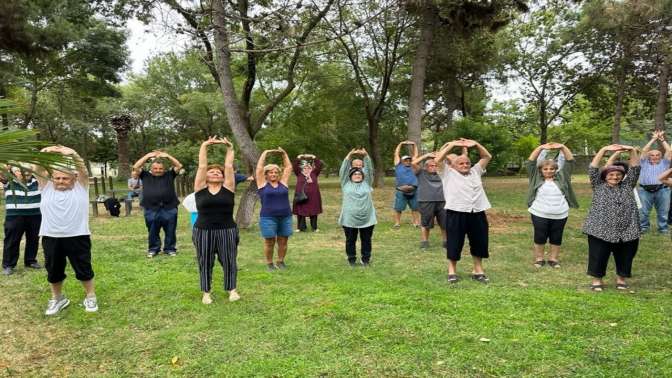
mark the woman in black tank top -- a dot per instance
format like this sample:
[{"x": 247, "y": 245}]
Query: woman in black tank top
[{"x": 215, "y": 233}]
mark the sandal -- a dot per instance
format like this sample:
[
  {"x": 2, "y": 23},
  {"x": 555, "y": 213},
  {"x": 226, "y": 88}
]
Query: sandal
[
  {"x": 539, "y": 263},
  {"x": 597, "y": 287},
  {"x": 554, "y": 264},
  {"x": 622, "y": 286},
  {"x": 482, "y": 278},
  {"x": 453, "y": 278}
]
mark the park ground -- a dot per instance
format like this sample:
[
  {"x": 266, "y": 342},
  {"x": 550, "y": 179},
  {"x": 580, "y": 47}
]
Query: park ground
[{"x": 320, "y": 317}]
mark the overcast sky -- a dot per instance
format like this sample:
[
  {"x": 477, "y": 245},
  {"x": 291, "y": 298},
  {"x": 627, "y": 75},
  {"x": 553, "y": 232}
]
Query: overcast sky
[{"x": 146, "y": 41}]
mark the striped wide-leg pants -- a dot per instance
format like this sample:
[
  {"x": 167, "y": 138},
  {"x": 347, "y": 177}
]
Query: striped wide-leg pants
[{"x": 222, "y": 242}]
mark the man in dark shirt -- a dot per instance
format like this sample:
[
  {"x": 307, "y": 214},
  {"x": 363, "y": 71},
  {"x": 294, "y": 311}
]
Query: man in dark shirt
[
  {"x": 22, "y": 216},
  {"x": 159, "y": 201}
]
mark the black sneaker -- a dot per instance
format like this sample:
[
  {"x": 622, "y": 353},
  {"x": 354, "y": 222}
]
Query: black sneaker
[
  {"x": 271, "y": 267},
  {"x": 281, "y": 265},
  {"x": 353, "y": 264},
  {"x": 366, "y": 264},
  {"x": 34, "y": 266},
  {"x": 482, "y": 278},
  {"x": 7, "y": 271}
]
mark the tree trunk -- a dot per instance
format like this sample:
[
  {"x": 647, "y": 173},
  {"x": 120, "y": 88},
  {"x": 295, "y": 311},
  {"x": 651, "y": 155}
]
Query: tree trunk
[
  {"x": 379, "y": 166},
  {"x": 234, "y": 114},
  {"x": 416, "y": 99},
  {"x": 543, "y": 127},
  {"x": 246, "y": 204},
  {"x": 663, "y": 92},
  {"x": 4, "y": 116},
  {"x": 28, "y": 118},
  {"x": 122, "y": 125},
  {"x": 618, "y": 112}
]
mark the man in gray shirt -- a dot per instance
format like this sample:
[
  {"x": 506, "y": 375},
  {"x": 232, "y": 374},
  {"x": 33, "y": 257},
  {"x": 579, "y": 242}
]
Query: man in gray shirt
[{"x": 430, "y": 198}]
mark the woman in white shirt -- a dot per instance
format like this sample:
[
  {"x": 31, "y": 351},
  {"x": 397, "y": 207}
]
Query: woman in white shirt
[{"x": 549, "y": 198}]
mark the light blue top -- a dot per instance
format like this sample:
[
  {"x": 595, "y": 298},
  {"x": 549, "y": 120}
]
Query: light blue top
[{"x": 357, "y": 210}]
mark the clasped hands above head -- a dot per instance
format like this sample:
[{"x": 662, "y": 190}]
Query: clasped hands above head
[{"x": 215, "y": 140}]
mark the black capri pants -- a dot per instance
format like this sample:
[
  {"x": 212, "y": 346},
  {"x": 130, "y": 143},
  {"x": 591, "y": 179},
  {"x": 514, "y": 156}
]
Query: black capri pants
[
  {"x": 548, "y": 230},
  {"x": 472, "y": 225},
  {"x": 76, "y": 249},
  {"x": 600, "y": 250}
]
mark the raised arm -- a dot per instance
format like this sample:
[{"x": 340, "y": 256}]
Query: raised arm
[
  {"x": 600, "y": 154},
  {"x": 647, "y": 147},
  {"x": 667, "y": 154},
  {"x": 259, "y": 171},
  {"x": 397, "y": 151},
  {"x": 417, "y": 160},
  {"x": 612, "y": 159},
  {"x": 80, "y": 167},
  {"x": 176, "y": 163},
  {"x": 345, "y": 168},
  {"x": 445, "y": 150},
  {"x": 368, "y": 167},
  {"x": 229, "y": 172},
  {"x": 634, "y": 155},
  {"x": 287, "y": 167},
  {"x": 537, "y": 151},
  {"x": 485, "y": 155},
  {"x": 41, "y": 173},
  {"x": 141, "y": 162},
  {"x": 202, "y": 170},
  {"x": 666, "y": 177}
]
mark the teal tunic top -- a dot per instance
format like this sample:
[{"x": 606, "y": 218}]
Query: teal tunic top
[{"x": 357, "y": 210}]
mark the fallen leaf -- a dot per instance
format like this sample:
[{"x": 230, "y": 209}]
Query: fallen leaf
[
  {"x": 440, "y": 362},
  {"x": 174, "y": 360},
  {"x": 483, "y": 339},
  {"x": 613, "y": 324}
]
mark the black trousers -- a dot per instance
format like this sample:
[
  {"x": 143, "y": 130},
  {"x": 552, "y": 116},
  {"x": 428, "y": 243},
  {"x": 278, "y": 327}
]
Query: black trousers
[
  {"x": 15, "y": 227},
  {"x": 77, "y": 249},
  {"x": 301, "y": 222},
  {"x": 600, "y": 250},
  {"x": 460, "y": 225},
  {"x": 365, "y": 235}
]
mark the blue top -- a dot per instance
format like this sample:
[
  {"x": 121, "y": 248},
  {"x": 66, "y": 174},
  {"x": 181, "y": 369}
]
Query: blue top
[
  {"x": 240, "y": 178},
  {"x": 404, "y": 175},
  {"x": 274, "y": 201}
]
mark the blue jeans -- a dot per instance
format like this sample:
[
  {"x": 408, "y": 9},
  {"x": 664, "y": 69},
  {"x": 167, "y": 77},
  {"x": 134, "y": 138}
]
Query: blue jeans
[
  {"x": 159, "y": 218},
  {"x": 661, "y": 201}
]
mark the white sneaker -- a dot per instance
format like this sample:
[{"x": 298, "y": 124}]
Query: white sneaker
[
  {"x": 90, "y": 304},
  {"x": 54, "y": 306},
  {"x": 233, "y": 296}
]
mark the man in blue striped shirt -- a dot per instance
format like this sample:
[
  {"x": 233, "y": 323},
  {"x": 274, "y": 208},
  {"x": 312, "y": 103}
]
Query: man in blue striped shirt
[
  {"x": 22, "y": 216},
  {"x": 652, "y": 192}
]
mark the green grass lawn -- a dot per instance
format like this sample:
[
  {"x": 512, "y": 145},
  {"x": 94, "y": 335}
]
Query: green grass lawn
[{"x": 323, "y": 318}]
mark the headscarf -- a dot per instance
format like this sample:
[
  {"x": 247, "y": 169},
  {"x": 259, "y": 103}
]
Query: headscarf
[
  {"x": 355, "y": 170},
  {"x": 306, "y": 166}
]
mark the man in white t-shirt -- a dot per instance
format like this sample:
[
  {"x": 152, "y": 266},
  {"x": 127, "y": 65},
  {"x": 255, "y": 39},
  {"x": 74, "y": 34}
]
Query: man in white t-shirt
[
  {"x": 466, "y": 203},
  {"x": 65, "y": 229}
]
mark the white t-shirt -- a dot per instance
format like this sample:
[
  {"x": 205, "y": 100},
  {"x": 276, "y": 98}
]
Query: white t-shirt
[
  {"x": 464, "y": 193},
  {"x": 65, "y": 213},
  {"x": 549, "y": 202}
]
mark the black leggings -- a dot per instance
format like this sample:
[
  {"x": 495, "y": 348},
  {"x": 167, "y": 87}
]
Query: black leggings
[
  {"x": 301, "y": 222},
  {"x": 548, "y": 229},
  {"x": 600, "y": 250}
]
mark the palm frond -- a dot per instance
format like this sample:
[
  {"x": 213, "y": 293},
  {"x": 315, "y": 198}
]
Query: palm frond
[{"x": 20, "y": 148}]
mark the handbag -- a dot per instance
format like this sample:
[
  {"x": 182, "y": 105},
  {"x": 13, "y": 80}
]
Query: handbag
[{"x": 300, "y": 196}]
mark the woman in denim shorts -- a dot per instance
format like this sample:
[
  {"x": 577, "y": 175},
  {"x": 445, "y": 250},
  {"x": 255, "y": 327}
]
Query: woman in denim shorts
[{"x": 275, "y": 219}]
